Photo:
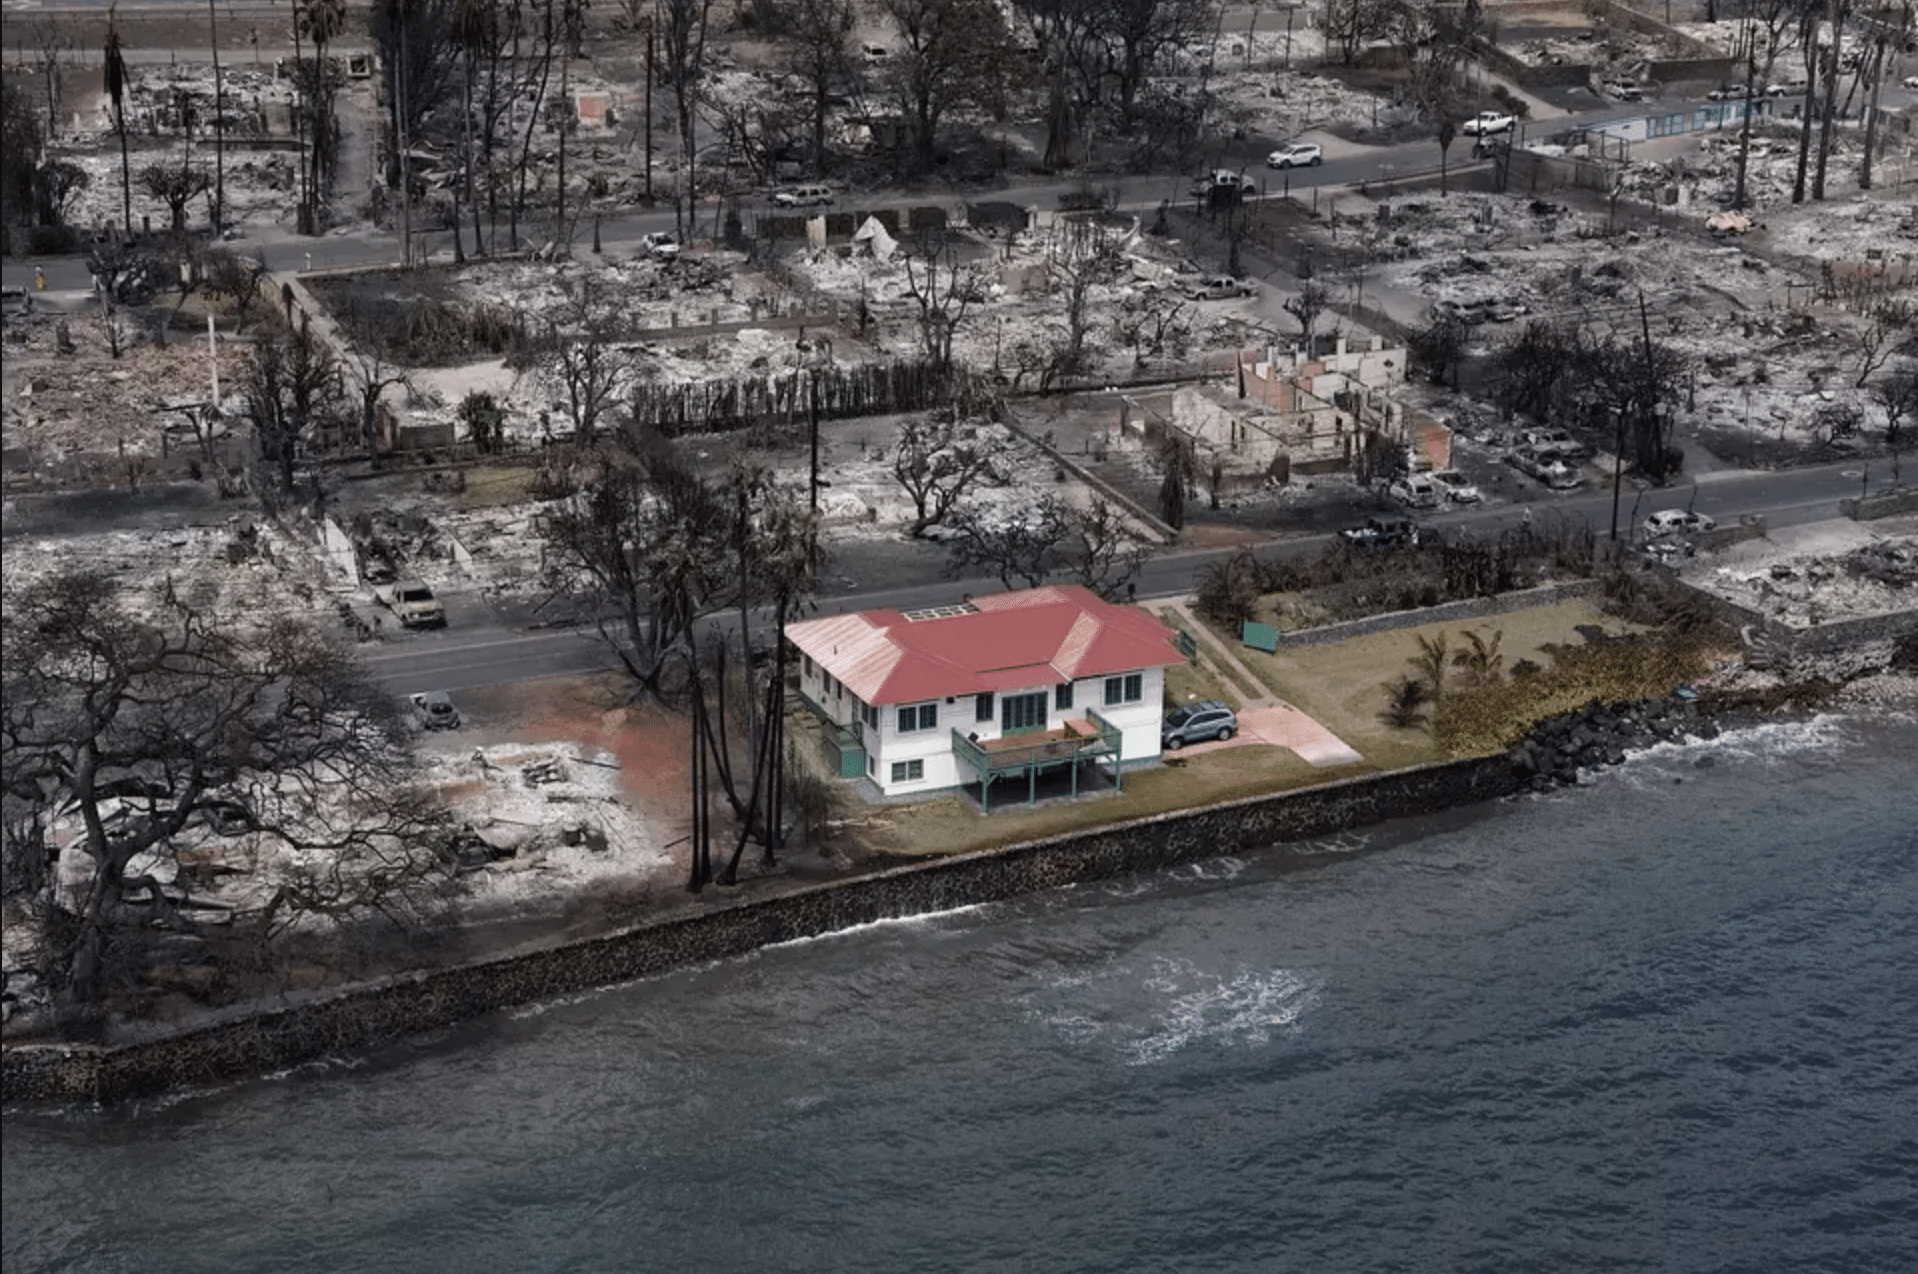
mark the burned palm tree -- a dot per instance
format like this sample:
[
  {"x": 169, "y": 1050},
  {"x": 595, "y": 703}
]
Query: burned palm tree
[{"x": 116, "y": 71}]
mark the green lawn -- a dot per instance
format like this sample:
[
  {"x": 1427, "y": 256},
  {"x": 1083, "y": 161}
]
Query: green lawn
[
  {"x": 1206, "y": 677},
  {"x": 953, "y": 824},
  {"x": 1342, "y": 684}
]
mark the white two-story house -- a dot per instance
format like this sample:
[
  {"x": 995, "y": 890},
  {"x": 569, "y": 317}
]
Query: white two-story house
[{"x": 997, "y": 689}]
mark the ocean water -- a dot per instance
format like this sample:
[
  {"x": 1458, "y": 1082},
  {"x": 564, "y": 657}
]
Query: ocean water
[{"x": 1666, "y": 1022}]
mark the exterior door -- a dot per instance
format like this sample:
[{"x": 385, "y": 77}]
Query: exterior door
[{"x": 1022, "y": 714}]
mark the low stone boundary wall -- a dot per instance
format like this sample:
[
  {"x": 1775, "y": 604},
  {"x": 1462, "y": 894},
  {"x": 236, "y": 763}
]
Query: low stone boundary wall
[
  {"x": 390, "y": 1010},
  {"x": 1444, "y": 613},
  {"x": 1872, "y": 507}
]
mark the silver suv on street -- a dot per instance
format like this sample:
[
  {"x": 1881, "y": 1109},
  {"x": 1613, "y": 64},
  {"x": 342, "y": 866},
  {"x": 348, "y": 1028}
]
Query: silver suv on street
[{"x": 1197, "y": 722}]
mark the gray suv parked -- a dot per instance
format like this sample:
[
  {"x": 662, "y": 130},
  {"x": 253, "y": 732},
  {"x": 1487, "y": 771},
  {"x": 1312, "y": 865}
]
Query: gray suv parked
[{"x": 1197, "y": 722}]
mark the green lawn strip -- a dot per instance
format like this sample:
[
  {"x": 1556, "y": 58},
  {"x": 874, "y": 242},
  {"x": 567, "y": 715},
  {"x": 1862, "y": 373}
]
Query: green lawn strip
[
  {"x": 1209, "y": 676},
  {"x": 1342, "y": 684},
  {"x": 954, "y": 825}
]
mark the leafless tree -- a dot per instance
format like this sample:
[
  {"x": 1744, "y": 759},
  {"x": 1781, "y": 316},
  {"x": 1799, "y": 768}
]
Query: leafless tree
[
  {"x": 1017, "y": 546},
  {"x": 1352, "y": 24},
  {"x": 633, "y": 530},
  {"x": 1100, "y": 550},
  {"x": 943, "y": 293},
  {"x": 577, "y": 355},
  {"x": 117, "y": 326},
  {"x": 1307, "y": 305},
  {"x": 952, "y": 53},
  {"x": 1141, "y": 32},
  {"x": 940, "y": 458},
  {"x": 229, "y": 278},
  {"x": 1439, "y": 348},
  {"x": 150, "y": 730},
  {"x": 683, "y": 55},
  {"x": 131, "y": 275},
  {"x": 1889, "y": 325},
  {"x": 817, "y": 54},
  {"x": 292, "y": 386},
  {"x": 1897, "y": 393}
]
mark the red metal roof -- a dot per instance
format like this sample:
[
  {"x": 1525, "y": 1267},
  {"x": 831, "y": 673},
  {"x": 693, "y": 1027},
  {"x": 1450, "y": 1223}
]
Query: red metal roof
[{"x": 1013, "y": 641}]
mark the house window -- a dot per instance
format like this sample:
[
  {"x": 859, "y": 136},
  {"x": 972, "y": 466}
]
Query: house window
[
  {"x": 924, "y": 716},
  {"x": 1062, "y": 696},
  {"x": 869, "y": 713},
  {"x": 907, "y": 771},
  {"x": 982, "y": 707},
  {"x": 1127, "y": 689},
  {"x": 809, "y": 666},
  {"x": 1020, "y": 713}
]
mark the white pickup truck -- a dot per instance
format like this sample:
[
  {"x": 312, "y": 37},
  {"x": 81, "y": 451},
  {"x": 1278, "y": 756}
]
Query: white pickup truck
[
  {"x": 414, "y": 604},
  {"x": 1488, "y": 123}
]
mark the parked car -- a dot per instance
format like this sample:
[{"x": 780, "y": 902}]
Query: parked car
[
  {"x": 1488, "y": 123},
  {"x": 1911, "y": 81},
  {"x": 435, "y": 711},
  {"x": 659, "y": 245},
  {"x": 1504, "y": 311},
  {"x": 1556, "y": 441},
  {"x": 1297, "y": 155},
  {"x": 1624, "y": 91},
  {"x": 15, "y": 299},
  {"x": 1455, "y": 487},
  {"x": 1219, "y": 287},
  {"x": 1543, "y": 465},
  {"x": 1385, "y": 532},
  {"x": 1197, "y": 722},
  {"x": 802, "y": 196},
  {"x": 414, "y": 603},
  {"x": 1219, "y": 182},
  {"x": 1677, "y": 522},
  {"x": 1417, "y": 490},
  {"x": 1796, "y": 88},
  {"x": 1732, "y": 91},
  {"x": 1469, "y": 312}
]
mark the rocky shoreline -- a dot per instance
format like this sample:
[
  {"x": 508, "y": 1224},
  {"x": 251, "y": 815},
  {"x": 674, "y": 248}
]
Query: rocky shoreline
[{"x": 1562, "y": 750}]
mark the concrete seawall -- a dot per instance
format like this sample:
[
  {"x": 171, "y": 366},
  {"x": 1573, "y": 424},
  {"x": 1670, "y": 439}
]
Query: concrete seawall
[{"x": 376, "y": 1013}]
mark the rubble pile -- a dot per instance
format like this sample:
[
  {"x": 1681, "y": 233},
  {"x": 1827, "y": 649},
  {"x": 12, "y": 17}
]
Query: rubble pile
[
  {"x": 78, "y": 415},
  {"x": 1877, "y": 578},
  {"x": 540, "y": 821},
  {"x": 1287, "y": 104},
  {"x": 1600, "y": 47}
]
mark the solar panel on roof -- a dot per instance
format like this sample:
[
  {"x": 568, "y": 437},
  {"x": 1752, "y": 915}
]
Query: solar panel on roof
[{"x": 940, "y": 612}]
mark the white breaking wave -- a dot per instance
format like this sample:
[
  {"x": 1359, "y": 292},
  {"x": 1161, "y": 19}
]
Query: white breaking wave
[
  {"x": 1245, "y": 1008},
  {"x": 1769, "y": 742},
  {"x": 920, "y": 920}
]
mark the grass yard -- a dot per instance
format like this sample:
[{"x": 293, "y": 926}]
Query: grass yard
[
  {"x": 1206, "y": 677},
  {"x": 1342, "y": 684},
  {"x": 953, "y": 824}
]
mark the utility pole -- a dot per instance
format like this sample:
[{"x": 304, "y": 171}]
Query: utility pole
[
  {"x": 812, "y": 413},
  {"x": 649, "y": 112},
  {"x": 219, "y": 124},
  {"x": 406, "y": 165},
  {"x": 1871, "y": 106}
]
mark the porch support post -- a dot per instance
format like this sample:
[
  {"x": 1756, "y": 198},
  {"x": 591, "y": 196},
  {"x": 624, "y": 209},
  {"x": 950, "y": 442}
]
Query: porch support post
[{"x": 1032, "y": 785}]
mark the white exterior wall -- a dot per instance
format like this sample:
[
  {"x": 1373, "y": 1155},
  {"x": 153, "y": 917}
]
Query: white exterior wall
[
  {"x": 1138, "y": 724},
  {"x": 933, "y": 746},
  {"x": 843, "y": 707}
]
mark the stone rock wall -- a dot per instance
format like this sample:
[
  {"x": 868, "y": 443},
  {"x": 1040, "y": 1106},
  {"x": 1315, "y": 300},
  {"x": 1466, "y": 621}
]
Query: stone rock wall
[{"x": 371, "y": 1014}]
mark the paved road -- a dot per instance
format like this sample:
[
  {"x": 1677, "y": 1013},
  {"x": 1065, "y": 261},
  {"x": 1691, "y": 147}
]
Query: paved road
[{"x": 467, "y": 656}]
